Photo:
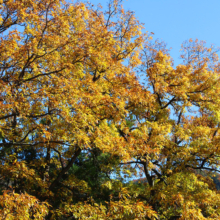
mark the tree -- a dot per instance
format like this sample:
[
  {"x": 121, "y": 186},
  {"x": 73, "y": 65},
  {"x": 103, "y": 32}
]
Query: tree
[{"x": 75, "y": 117}]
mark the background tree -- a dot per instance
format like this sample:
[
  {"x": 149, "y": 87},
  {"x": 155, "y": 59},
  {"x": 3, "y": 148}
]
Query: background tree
[{"x": 74, "y": 117}]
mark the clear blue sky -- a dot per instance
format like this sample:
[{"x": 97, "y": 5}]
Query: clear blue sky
[{"x": 175, "y": 21}]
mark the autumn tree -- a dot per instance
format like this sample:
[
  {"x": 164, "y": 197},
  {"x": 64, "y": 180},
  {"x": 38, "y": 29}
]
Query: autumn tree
[{"x": 76, "y": 119}]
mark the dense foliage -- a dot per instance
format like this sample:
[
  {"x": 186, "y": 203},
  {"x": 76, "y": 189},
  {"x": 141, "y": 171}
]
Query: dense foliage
[{"x": 87, "y": 101}]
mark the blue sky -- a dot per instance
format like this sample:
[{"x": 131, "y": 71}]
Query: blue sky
[{"x": 175, "y": 21}]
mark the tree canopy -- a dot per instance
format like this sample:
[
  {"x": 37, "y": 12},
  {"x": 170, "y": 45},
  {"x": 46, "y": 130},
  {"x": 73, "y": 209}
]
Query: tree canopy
[{"x": 87, "y": 99}]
